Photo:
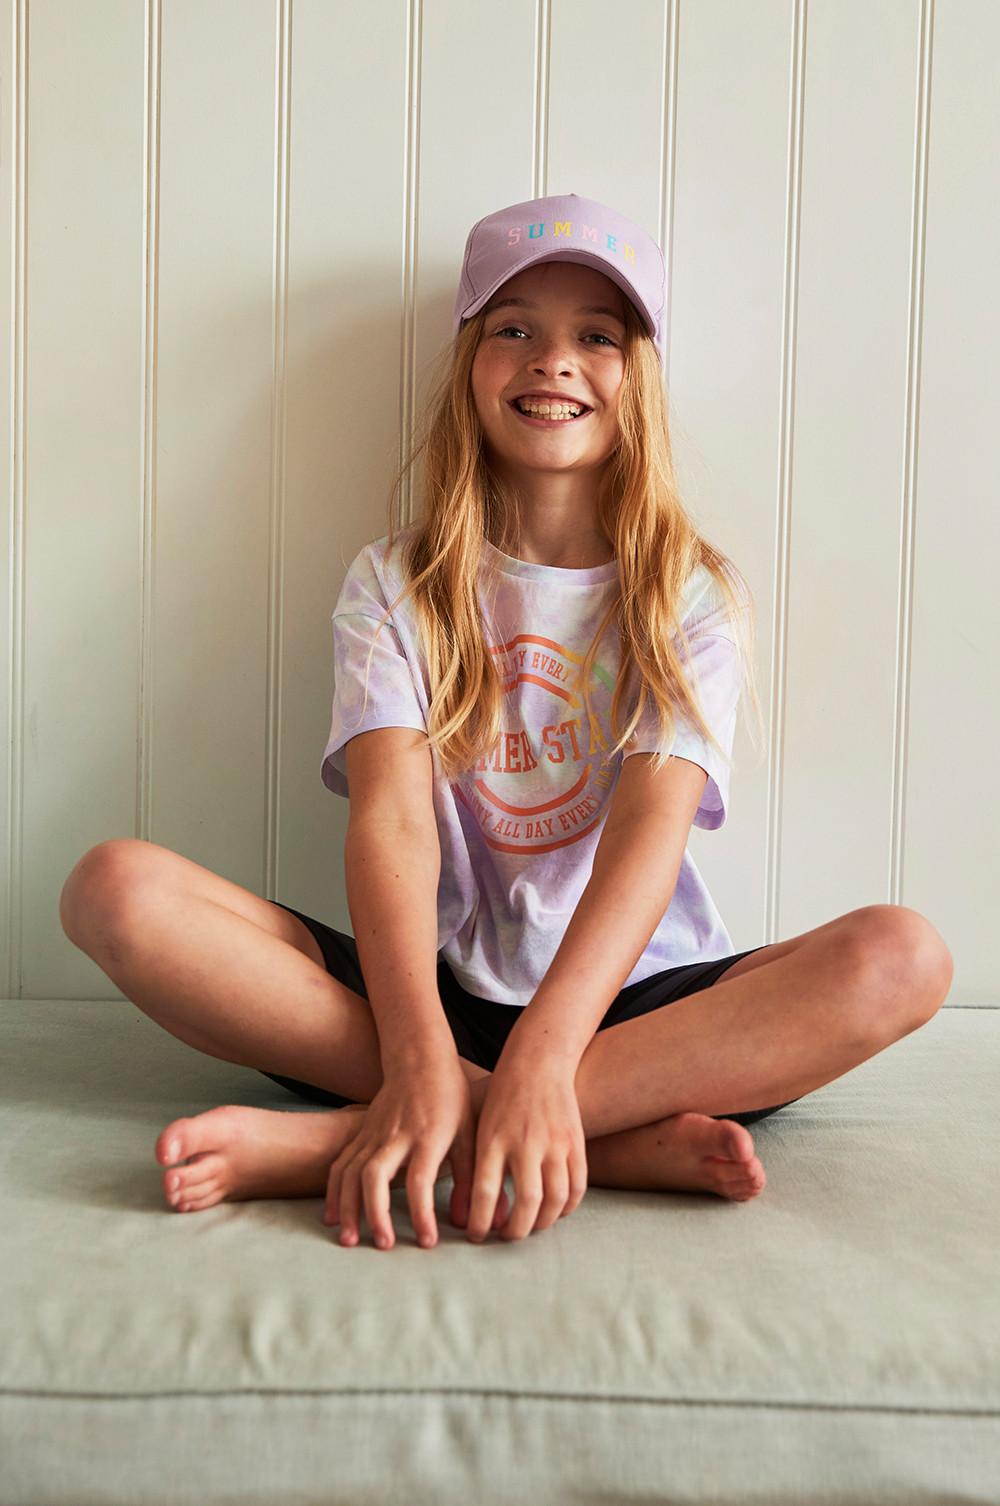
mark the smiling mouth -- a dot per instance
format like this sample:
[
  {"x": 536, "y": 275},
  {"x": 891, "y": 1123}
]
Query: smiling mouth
[{"x": 547, "y": 423}]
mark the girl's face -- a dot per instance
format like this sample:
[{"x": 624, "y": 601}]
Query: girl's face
[{"x": 554, "y": 342}]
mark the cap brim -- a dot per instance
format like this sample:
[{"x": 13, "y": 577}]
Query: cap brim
[{"x": 585, "y": 258}]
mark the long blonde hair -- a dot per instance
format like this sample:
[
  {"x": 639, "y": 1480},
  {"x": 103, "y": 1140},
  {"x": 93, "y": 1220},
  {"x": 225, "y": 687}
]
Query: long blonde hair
[{"x": 655, "y": 544}]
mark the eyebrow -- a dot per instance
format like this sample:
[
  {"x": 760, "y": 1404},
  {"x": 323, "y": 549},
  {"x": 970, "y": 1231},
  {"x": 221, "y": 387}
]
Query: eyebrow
[{"x": 585, "y": 308}]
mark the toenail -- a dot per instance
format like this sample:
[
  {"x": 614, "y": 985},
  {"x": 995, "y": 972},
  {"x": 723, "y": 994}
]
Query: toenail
[
  {"x": 174, "y": 1150},
  {"x": 174, "y": 1183}
]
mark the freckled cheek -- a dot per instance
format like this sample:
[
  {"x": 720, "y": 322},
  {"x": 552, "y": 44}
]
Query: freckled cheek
[{"x": 489, "y": 404}]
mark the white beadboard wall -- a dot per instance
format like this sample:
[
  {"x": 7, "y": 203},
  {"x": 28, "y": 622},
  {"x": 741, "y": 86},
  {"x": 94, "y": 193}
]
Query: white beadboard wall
[{"x": 234, "y": 231}]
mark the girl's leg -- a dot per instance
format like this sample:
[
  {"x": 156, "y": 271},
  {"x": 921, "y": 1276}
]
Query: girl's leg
[
  {"x": 770, "y": 1030},
  {"x": 231, "y": 974},
  {"x": 870, "y": 978},
  {"x": 180, "y": 943},
  {"x": 220, "y": 968}
]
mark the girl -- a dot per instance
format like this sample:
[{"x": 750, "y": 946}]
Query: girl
[{"x": 536, "y": 693}]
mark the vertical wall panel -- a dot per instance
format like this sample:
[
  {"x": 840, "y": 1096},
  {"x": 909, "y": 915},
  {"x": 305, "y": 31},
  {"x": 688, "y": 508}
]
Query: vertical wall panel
[
  {"x": 214, "y": 380},
  {"x": 347, "y": 234},
  {"x": 606, "y": 93},
  {"x": 725, "y": 373},
  {"x": 952, "y": 814},
  {"x": 11, "y": 276},
  {"x": 82, "y": 462},
  {"x": 848, "y": 459}
]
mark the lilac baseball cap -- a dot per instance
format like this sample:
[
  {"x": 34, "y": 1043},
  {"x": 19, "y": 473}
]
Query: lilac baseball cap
[{"x": 564, "y": 227}]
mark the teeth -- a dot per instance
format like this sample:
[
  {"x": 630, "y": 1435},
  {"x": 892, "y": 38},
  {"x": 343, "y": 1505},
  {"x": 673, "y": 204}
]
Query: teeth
[{"x": 546, "y": 409}]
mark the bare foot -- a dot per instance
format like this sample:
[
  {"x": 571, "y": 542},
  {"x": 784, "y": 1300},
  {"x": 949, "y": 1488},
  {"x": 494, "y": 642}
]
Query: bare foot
[
  {"x": 685, "y": 1152},
  {"x": 236, "y": 1152}
]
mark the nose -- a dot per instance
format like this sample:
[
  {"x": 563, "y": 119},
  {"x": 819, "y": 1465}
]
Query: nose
[
  {"x": 554, "y": 360},
  {"x": 553, "y": 353}
]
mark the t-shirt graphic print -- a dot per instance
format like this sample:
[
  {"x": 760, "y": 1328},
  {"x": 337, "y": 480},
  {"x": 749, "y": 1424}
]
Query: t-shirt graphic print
[
  {"x": 546, "y": 784},
  {"x": 519, "y": 830}
]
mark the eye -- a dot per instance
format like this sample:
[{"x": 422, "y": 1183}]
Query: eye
[{"x": 595, "y": 334}]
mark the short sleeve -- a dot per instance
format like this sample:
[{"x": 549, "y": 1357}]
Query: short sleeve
[
  {"x": 392, "y": 699},
  {"x": 716, "y": 667}
]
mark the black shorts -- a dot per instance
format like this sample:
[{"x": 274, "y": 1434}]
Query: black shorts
[{"x": 480, "y": 1027}]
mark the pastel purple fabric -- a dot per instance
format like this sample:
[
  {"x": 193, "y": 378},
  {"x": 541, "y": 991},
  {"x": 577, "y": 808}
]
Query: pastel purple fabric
[
  {"x": 519, "y": 830},
  {"x": 563, "y": 227}
]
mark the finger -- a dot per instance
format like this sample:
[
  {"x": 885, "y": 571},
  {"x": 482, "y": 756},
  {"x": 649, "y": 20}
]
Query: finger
[
  {"x": 331, "y": 1207},
  {"x": 460, "y": 1210},
  {"x": 420, "y": 1181},
  {"x": 528, "y": 1193},
  {"x": 350, "y": 1203},
  {"x": 556, "y": 1179},
  {"x": 485, "y": 1191},
  {"x": 378, "y": 1172},
  {"x": 331, "y": 1210},
  {"x": 577, "y": 1181},
  {"x": 462, "y": 1160},
  {"x": 458, "y": 1207}
]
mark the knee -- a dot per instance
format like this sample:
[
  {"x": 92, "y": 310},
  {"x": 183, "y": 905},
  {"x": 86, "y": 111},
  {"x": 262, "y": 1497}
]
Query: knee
[
  {"x": 99, "y": 883},
  {"x": 904, "y": 960}
]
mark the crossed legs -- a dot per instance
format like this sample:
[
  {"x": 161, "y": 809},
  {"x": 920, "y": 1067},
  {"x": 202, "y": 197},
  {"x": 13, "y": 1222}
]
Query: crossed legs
[{"x": 237, "y": 977}]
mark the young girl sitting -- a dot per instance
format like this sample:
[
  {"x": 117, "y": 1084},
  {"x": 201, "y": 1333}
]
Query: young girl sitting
[{"x": 536, "y": 695}]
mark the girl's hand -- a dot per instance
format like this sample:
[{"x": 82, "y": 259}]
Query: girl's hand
[
  {"x": 530, "y": 1119},
  {"x": 421, "y": 1115}
]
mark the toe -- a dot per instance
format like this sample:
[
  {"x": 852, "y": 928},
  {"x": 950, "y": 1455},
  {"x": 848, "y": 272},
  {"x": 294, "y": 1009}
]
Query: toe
[
  {"x": 177, "y": 1141},
  {"x": 206, "y": 1199},
  {"x": 183, "y": 1182},
  {"x": 189, "y": 1137},
  {"x": 735, "y": 1142},
  {"x": 189, "y": 1187},
  {"x": 741, "y": 1171},
  {"x": 743, "y": 1185},
  {"x": 745, "y": 1193},
  {"x": 202, "y": 1168}
]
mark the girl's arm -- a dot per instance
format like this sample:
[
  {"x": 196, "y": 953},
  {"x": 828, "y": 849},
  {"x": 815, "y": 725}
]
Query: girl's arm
[
  {"x": 632, "y": 882},
  {"x": 392, "y": 860}
]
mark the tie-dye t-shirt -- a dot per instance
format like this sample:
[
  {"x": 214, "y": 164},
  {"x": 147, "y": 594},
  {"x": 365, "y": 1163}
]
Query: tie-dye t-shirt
[{"x": 518, "y": 832}]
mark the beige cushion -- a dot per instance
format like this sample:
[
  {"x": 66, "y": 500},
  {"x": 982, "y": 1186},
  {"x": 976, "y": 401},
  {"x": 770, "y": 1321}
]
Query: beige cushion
[{"x": 836, "y": 1339}]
